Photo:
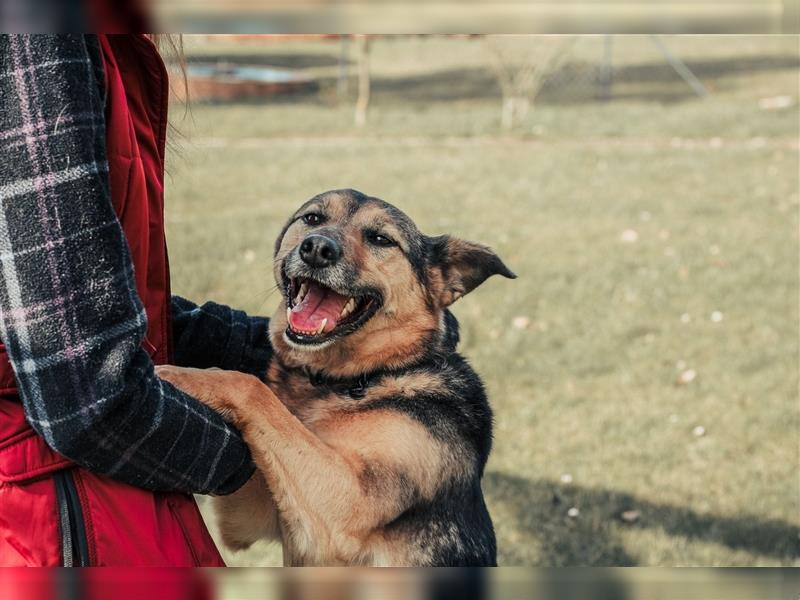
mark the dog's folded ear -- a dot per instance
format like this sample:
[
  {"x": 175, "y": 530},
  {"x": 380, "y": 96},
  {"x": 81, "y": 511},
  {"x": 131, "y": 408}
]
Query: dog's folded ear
[{"x": 457, "y": 267}]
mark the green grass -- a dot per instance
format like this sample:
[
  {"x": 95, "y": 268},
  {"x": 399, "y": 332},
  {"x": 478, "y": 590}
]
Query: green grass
[{"x": 590, "y": 388}]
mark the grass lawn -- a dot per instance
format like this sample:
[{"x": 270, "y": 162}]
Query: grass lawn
[{"x": 647, "y": 357}]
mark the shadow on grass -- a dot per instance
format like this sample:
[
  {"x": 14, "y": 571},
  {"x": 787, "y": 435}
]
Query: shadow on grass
[
  {"x": 572, "y": 83},
  {"x": 285, "y": 61},
  {"x": 538, "y": 510},
  {"x": 732, "y": 65},
  {"x": 579, "y": 82}
]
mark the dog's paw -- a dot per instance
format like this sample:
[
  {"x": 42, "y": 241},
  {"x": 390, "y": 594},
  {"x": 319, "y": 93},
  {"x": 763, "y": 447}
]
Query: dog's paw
[
  {"x": 190, "y": 381},
  {"x": 213, "y": 387}
]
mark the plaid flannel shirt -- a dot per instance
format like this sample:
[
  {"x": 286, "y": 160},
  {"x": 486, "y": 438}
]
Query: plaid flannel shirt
[{"x": 70, "y": 316}]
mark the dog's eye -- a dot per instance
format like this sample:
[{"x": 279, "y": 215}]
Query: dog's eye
[
  {"x": 377, "y": 239},
  {"x": 313, "y": 219}
]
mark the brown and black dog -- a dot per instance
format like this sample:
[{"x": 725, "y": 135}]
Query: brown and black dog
[{"x": 369, "y": 431}]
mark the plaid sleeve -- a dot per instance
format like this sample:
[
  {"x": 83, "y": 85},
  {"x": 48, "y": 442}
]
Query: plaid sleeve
[
  {"x": 70, "y": 316},
  {"x": 213, "y": 335}
]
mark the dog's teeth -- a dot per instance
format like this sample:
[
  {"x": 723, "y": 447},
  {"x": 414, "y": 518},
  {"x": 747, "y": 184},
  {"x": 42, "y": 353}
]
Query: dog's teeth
[
  {"x": 349, "y": 307},
  {"x": 321, "y": 326},
  {"x": 288, "y": 314},
  {"x": 301, "y": 293}
]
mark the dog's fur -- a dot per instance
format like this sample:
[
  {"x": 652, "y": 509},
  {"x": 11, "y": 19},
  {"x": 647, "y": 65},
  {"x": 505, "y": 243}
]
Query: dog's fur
[{"x": 370, "y": 448}]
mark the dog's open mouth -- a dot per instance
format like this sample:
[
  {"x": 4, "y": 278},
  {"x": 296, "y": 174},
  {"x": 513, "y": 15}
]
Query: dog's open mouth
[{"x": 317, "y": 313}]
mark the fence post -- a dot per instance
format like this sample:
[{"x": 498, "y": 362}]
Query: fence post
[{"x": 363, "y": 43}]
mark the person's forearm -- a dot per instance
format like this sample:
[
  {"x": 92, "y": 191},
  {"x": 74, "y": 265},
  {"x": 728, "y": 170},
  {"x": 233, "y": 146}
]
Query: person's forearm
[
  {"x": 213, "y": 335},
  {"x": 146, "y": 433}
]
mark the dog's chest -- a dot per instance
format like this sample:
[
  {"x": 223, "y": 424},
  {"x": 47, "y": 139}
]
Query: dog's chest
[{"x": 312, "y": 404}]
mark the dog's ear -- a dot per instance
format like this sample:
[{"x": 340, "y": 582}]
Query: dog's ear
[{"x": 457, "y": 267}]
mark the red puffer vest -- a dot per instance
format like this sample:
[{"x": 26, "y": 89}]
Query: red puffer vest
[{"x": 51, "y": 511}]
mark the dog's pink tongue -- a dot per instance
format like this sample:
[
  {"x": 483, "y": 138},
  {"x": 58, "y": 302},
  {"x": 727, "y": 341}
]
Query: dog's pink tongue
[{"x": 319, "y": 303}]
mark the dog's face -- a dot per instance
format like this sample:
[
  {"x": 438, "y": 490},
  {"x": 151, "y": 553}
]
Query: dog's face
[{"x": 360, "y": 281}]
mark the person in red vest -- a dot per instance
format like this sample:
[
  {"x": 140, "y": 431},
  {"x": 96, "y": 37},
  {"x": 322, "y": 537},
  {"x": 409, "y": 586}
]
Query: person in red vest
[{"x": 99, "y": 457}]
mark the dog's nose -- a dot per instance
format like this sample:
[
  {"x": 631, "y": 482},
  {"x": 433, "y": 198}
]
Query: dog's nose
[{"x": 319, "y": 251}]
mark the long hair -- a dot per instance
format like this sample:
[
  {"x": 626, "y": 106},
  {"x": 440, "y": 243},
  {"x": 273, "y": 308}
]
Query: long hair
[{"x": 171, "y": 49}]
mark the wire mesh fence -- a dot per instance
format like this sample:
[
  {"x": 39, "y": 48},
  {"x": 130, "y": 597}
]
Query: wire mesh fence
[{"x": 515, "y": 73}]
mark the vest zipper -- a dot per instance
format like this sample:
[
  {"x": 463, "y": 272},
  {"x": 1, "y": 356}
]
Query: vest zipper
[{"x": 72, "y": 529}]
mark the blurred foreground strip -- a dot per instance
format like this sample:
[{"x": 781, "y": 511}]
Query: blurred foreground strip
[
  {"x": 399, "y": 584},
  {"x": 20, "y": 583},
  {"x": 477, "y": 16},
  {"x": 401, "y": 17},
  {"x": 510, "y": 583}
]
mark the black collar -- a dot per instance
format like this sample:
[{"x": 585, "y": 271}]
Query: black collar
[{"x": 355, "y": 387}]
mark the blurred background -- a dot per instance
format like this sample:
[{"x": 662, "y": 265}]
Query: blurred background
[{"x": 643, "y": 369}]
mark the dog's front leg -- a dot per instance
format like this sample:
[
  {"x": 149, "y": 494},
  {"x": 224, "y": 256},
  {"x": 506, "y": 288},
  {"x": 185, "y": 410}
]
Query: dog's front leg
[
  {"x": 317, "y": 489},
  {"x": 247, "y": 515},
  {"x": 330, "y": 499},
  {"x": 338, "y": 486}
]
